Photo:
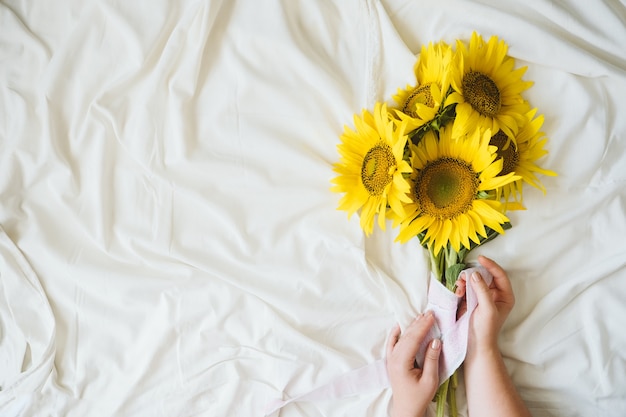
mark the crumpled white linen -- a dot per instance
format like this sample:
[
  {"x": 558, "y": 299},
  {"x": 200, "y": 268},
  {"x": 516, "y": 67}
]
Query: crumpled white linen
[
  {"x": 165, "y": 167},
  {"x": 27, "y": 330}
]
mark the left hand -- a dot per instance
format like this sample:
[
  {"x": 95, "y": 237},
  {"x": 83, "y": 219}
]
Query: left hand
[
  {"x": 495, "y": 302},
  {"x": 413, "y": 388}
]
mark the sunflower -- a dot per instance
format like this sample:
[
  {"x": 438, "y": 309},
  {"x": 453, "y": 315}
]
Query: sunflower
[
  {"x": 521, "y": 159},
  {"x": 487, "y": 88},
  {"x": 450, "y": 180},
  {"x": 371, "y": 167},
  {"x": 420, "y": 104}
]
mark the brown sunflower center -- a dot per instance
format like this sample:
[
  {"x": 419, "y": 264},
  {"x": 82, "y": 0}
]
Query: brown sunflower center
[
  {"x": 446, "y": 188},
  {"x": 375, "y": 171},
  {"x": 482, "y": 93},
  {"x": 421, "y": 94},
  {"x": 507, "y": 151}
]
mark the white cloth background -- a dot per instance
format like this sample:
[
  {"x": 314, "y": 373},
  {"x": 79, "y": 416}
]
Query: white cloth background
[{"x": 164, "y": 171}]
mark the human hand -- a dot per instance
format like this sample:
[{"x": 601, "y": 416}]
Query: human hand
[
  {"x": 495, "y": 302},
  {"x": 413, "y": 388}
]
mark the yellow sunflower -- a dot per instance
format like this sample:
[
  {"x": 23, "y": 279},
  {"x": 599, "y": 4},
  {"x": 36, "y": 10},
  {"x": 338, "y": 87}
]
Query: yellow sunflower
[
  {"x": 487, "y": 88},
  {"x": 521, "y": 159},
  {"x": 371, "y": 166},
  {"x": 451, "y": 175},
  {"x": 420, "y": 104}
]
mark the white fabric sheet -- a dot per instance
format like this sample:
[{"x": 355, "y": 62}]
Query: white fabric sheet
[{"x": 172, "y": 247}]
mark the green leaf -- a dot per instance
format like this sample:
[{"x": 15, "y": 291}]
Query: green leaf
[{"x": 452, "y": 273}]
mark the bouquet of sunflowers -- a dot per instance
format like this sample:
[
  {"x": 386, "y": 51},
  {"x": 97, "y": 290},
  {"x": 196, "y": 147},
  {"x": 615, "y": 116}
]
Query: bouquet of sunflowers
[{"x": 447, "y": 160}]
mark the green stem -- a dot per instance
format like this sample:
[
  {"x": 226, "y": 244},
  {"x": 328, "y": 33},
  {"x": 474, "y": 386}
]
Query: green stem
[
  {"x": 442, "y": 396},
  {"x": 436, "y": 263},
  {"x": 454, "y": 412}
]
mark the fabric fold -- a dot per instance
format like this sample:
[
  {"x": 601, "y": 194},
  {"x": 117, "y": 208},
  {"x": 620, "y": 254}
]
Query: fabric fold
[{"x": 27, "y": 345}]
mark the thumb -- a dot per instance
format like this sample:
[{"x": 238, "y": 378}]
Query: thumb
[
  {"x": 431, "y": 361},
  {"x": 481, "y": 289}
]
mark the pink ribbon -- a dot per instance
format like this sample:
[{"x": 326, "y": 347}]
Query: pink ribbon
[
  {"x": 371, "y": 377},
  {"x": 452, "y": 332}
]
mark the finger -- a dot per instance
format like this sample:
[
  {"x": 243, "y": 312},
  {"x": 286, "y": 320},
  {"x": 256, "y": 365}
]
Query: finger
[
  {"x": 393, "y": 339},
  {"x": 499, "y": 275},
  {"x": 500, "y": 279},
  {"x": 431, "y": 361},
  {"x": 481, "y": 289},
  {"x": 414, "y": 334},
  {"x": 460, "y": 286},
  {"x": 461, "y": 290}
]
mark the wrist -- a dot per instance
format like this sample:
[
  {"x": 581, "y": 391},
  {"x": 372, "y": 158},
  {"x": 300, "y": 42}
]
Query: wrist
[
  {"x": 486, "y": 350},
  {"x": 400, "y": 414},
  {"x": 399, "y": 411}
]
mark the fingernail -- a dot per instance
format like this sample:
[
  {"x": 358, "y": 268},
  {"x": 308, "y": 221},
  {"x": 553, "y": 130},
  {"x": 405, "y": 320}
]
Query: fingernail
[
  {"x": 475, "y": 276},
  {"x": 419, "y": 316},
  {"x": 435, "y": 344}
]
